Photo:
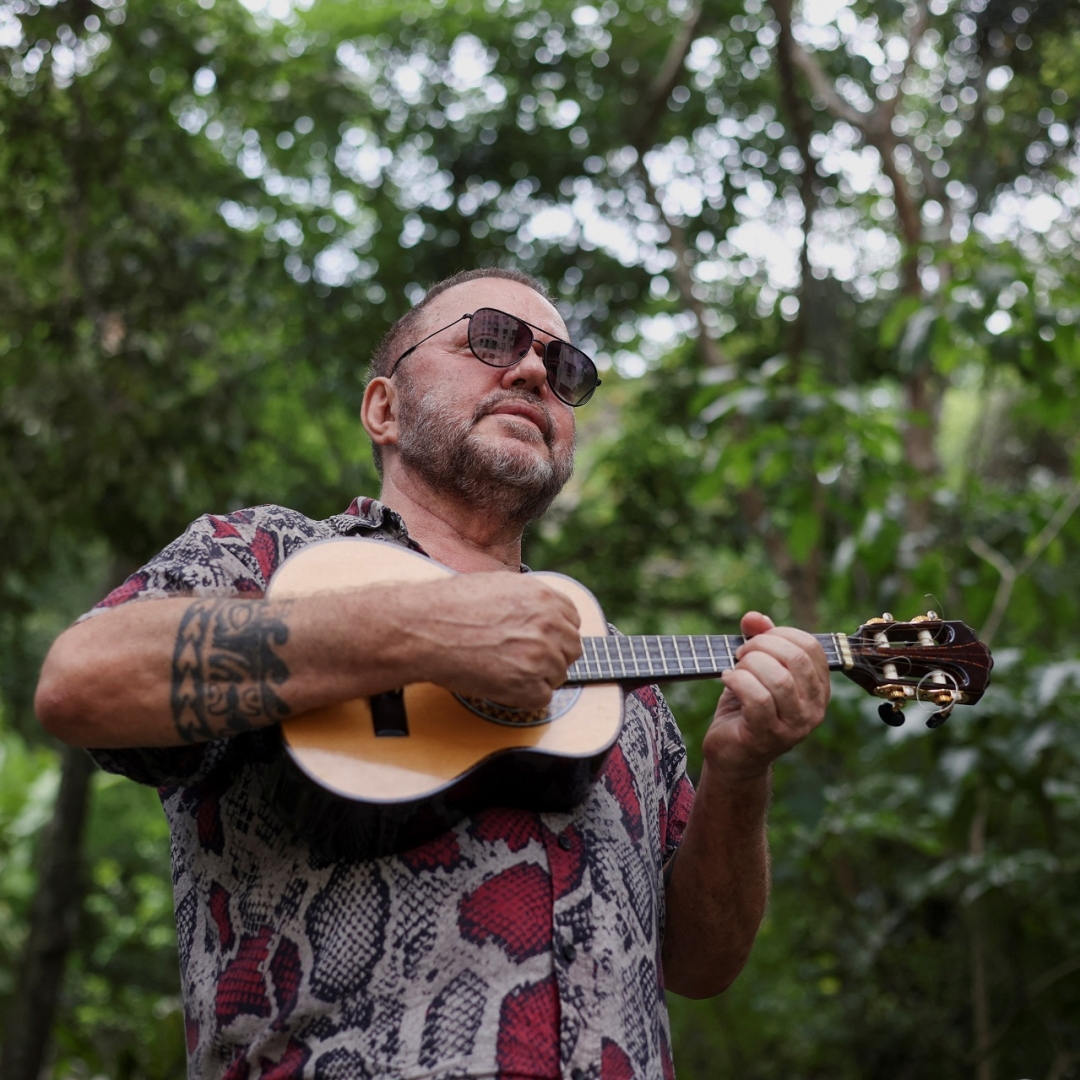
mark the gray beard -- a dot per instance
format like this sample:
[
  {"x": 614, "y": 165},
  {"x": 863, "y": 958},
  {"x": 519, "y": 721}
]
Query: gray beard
[{"x": 518, "y": 487}]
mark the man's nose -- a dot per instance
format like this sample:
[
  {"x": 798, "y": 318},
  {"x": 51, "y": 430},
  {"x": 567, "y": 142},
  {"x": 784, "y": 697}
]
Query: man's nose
[{"x": 529, "y": 372}]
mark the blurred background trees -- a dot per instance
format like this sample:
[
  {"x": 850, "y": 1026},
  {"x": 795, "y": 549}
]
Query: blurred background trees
[{"x": 824, "y": 252}]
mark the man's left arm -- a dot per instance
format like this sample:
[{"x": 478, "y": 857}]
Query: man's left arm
[{"x": 718, "y": 885}]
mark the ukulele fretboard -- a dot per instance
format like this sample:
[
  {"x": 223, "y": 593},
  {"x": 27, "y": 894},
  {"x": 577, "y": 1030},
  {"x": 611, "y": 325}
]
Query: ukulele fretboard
[{"x": 654, "y": 657}]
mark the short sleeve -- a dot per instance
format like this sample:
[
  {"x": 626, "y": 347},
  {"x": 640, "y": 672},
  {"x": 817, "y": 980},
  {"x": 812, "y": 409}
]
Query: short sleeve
[
  {"x": 232, "y": 555},
  {"x": 165, "y": 766},
  {"x": 217, "y": 556}
]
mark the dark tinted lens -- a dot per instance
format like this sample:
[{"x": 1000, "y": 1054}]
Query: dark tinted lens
[
  {"x": 497, "y": 338},
  {"x": 571, "y": 374}
]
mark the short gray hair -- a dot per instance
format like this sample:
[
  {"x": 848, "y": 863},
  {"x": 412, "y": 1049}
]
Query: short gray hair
[{"x": 396, "y": 339}]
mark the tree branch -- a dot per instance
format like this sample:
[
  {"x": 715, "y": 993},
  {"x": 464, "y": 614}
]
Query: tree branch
[
  {"x": 710, "y": 350},
  {"x": 802, "y": 128},
  {"x": 661, "y": 87},
  {"x": 821, "y": 86},
  {"x": 980, "y": 997},
  {"x": 1010, "y": 571},
  {"x": 1034, "y": 988}
]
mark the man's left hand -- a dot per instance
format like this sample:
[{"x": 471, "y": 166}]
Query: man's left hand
[{"x": 773, "y": 698}]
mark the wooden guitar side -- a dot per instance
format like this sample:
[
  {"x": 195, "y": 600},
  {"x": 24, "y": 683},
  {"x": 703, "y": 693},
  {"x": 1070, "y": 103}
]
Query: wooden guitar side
[{"x": 388, "y": 792}]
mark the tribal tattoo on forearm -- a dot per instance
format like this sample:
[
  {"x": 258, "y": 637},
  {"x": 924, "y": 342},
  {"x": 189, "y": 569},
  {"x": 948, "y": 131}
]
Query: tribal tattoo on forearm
[{"x": 226, "y": 671}]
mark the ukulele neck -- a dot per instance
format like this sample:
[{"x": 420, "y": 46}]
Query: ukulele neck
[{"x": 657, "y": 658}]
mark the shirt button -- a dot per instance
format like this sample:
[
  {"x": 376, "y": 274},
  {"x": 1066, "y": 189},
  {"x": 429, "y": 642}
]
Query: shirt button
[
  {"x": 577, "y": 1074},
  {"x": 568, "y": 952},
  {"x": 566, "y": 844}
]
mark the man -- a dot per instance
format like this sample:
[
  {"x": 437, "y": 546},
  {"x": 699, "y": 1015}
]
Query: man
[{"x": 518, "y": 944}]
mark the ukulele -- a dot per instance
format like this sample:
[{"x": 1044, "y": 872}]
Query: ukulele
[{"x": 377, "y": 775}]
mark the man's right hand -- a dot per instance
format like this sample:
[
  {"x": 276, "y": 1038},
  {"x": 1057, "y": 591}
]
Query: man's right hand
[{"x": 507, "y": 637}]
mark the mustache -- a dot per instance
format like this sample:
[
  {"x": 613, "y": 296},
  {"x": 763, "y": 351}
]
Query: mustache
[{"x": 496, "y": 398}]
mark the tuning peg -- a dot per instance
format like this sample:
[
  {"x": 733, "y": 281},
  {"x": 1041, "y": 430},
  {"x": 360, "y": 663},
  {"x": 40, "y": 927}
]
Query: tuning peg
[
  {"x": 892, "y": 713},
  {"x": 886, "y": 617},
  {"x": 944, "y": 700}
]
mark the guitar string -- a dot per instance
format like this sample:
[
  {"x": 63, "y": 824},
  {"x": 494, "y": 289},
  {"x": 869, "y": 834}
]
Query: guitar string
[
  {"x": 684, "y": 650},
  {"x": 673, "y": 655}
]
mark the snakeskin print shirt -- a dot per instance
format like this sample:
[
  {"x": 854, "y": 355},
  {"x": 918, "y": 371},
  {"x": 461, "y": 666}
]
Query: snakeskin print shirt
[{"x": 516, "y": 945}]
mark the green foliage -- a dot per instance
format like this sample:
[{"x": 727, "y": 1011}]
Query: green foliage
[
  {"x": 26, "y": 797},
  {"x": 123, "y": 1011},
  {"x": 207, "y": 220}
]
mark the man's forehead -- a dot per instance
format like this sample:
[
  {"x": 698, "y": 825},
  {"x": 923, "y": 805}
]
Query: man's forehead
[{"x": 509, "y": 296}]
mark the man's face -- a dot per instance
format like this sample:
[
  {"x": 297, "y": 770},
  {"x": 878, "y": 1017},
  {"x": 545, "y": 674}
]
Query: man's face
[{"x": 497, "y": 436}]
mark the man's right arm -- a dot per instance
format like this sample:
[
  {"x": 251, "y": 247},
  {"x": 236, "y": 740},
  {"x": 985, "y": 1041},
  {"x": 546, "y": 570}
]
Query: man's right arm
[{"x": 174, "y": 671}]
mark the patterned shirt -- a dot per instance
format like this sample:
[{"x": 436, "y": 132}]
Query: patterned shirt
[{"x": 516, "y": 946}]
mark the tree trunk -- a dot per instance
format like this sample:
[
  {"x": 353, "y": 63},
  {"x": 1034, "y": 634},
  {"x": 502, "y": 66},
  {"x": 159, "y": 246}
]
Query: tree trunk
[
  {"x": 54, "y": 916},
  {"x": 980, "y": 991}
]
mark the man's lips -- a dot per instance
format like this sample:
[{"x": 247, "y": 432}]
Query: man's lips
[{"x": 528, "y": 412}]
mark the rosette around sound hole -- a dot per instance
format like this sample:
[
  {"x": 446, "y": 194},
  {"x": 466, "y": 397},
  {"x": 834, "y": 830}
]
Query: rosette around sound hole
[{"x": 562, "y": 701}]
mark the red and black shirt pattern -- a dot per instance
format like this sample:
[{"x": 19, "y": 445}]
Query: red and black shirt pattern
[{"x": 517, "y": 946}]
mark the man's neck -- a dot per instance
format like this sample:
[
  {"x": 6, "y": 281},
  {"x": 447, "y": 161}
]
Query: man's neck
[{"x": 452, "y": 533}]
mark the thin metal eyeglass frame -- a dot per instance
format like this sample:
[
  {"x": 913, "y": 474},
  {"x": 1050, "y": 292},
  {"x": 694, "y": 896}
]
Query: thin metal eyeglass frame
[{"x": 531, "y": 326}]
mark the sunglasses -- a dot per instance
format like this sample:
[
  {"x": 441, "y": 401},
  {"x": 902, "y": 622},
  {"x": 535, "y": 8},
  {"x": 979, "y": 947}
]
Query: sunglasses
[{"x": 501, "y": 340}]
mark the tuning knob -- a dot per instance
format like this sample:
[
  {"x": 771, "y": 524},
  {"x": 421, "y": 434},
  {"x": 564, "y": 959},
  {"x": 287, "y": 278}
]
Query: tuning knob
[
  {"x": 892, "y": 713},
  {"x": 945, "y": 701}
]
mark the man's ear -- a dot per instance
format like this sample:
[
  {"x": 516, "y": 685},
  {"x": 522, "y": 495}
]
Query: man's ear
[{"x": 379, "y": 412}]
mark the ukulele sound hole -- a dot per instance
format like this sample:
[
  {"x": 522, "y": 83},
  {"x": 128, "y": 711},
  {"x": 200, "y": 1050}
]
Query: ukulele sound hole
[{"x": 562, "y": 702}]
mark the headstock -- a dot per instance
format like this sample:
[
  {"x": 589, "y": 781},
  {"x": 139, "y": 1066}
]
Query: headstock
[{"x": 927, "y": 659}]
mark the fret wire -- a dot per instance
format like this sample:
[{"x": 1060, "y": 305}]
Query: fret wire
[
  {"x": 727, "y": 645},
  {"x": 831, "y": 646},
  {"x": 697, "y": 662},
  {"x": 634, "y": 656},
  {"x": 642, "y": 651},
  {"x": 620, "y": 658},
  {"x": 664, "y": 665},
  {"x": 590, "y": 661},
  {"x": 592, "y": 664},
  {"x": 607, "y": 650},
  {"x": 673, "y": 644},
  {"x": 576, "y": 667},
  {"x": 665, "y": 658},
  {"x": 712, "y": 655},
  {"x": 621, "y": 645},
  {"x": 586, "y": 647}
]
